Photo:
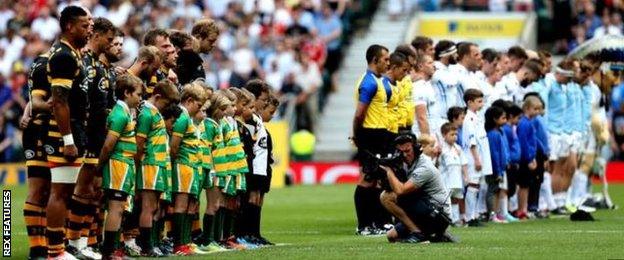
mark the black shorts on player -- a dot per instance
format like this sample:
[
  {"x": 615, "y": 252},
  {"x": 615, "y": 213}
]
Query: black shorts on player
[{"x": 374, "y": 141}]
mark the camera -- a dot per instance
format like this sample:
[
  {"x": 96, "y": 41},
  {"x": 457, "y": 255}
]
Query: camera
[{"x": 372, "y": 170}]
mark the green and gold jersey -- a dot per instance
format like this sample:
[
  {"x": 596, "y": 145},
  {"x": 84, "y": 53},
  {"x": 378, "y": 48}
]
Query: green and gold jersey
[
  {"x": 120, "y": 124},
  {"x": 151, "y": 126},
  {"x": 237, "y": 162},
  {"x": 205, "y": 146},
  {"x": 189, "y": 148},
  {"x": 214, "y": 135}
]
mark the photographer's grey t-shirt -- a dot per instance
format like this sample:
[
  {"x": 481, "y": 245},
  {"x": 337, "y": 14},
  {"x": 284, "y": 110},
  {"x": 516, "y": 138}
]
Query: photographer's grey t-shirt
[{"x": 429, "y": 181}]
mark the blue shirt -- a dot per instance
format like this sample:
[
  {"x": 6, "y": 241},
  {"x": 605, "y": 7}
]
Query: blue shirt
[
  {"x": 556, "y": 105},
  {"x": 327, "y": 26},
  {"x": 513, "y": 143},
  {"x": 528, "y": 142},
  {"x": 541, "y": 134},
  {"x": 498, "y": 151},
  {"x": 588, "y": 97},
  {"x": 574, "y": 111},
  {"x": 368, "y": 88}
]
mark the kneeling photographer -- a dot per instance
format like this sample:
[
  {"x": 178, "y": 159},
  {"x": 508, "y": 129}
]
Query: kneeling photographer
[{"x": 416, "y": 196}]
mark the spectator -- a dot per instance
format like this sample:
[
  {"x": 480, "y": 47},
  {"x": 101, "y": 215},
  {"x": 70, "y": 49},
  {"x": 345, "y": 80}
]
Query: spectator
[
  {"x": 45, "y": 25},
  {"x": 330, "y": 30},
  {"x": 6, "y": 14},
  {"x": 12, "y": 44},
  {"x": 608, "y": 27},
  {"x": 589, "y": 19}
]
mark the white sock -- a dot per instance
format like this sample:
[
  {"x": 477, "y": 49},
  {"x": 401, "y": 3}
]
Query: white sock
[
  {"x": 130, "y": 241},
  {"x": 504, "y": 205},
  {"x": 471, "y": 203},
  {"x": 546, "y": 193},
  {"x": 513, "y": 202},
  {"x": 455, "y": 212},
  {"x": 580, "y": 189},
  {"x": 83, "y": 242},
  {"x": 482, "y": 205},
  {"x": 560, "y": 198},
  {"x": 75, "y": 243}
]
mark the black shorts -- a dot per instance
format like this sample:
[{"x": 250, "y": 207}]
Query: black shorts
[
  {"x": 33, "y": 139},
  {"x": 525, "y": 177},
  {"x": 258, "y": 183},
  {"x": 420, "y": 212},
  {"x": 374, "y": 141},
  {"x": 54, "y": 145},
  {"x": 512, "y": 179}
]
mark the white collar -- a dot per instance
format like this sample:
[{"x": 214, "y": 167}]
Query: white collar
[{"x": 124, "y": 105}]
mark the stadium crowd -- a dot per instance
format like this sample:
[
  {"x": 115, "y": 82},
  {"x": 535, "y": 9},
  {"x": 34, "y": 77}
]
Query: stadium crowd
[
  {"x": 271, "y": 40},
  {"x": 511, "y": 135}
]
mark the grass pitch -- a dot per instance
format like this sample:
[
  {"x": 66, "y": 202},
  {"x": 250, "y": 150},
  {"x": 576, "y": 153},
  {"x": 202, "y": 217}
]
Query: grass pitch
[{"x": 318, "y": 222}]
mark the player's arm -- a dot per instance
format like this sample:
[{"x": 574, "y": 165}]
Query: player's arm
[
  {"x": 62, "y": 68},
  {"x": 366, "y": 91},
  {"x": 116, "y": 124},
  {"x": 144, "y": 123},
  {"x": 179, "y": 127},
  {"x": 397, "y": 186},
  {"x": 38, "y": 104},
  {"x": 421, "y": 118}
]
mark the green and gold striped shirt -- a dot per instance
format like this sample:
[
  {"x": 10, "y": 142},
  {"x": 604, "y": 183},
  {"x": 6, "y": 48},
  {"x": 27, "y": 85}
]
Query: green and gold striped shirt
[
  {"x": 120, "y": 124},
  {"x": 151, "y": 126}
]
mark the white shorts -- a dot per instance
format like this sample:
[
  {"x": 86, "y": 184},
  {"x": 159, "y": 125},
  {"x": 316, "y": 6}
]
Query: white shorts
[
  {"x": 453, "y": 180},
  {"x": 64, "y": 174},
  {"x": 577, "y": 144},
  {"x": 559, "y": 146},
  {"x": 457, "y": 193},
  {"x": 590, "y": 143}
]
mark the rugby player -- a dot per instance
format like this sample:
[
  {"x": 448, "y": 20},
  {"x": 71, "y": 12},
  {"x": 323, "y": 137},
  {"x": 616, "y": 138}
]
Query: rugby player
[{"x": 66, "y": 137}]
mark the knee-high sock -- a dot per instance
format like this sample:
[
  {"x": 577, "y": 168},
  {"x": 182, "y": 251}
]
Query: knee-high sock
[
  {"x": 362, "y": 211},
  {"x": 503, "y": 205},
  {"x": 546, "y": 191},
  {"x": 471, "y": 203},
  {"x": 560, "y": 198},
  {"x": 455, "y": 212},
  {"x": 579, "y": 188},
  {"x": 482, "y": 198},
  {"x": 513, "y": 202},
  {"x": 381, "y": 216},
  {"x": 35, "y": 218}
]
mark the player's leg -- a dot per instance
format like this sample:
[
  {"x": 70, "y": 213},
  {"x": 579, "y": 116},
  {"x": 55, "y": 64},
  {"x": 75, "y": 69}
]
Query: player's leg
[
  {"x": 112, "y": 228},
  {"x": 80, "y": 206},
  {"x": 389, "y": 201},
  {"x": 35, "y": 210},
  {"x": 63, "y": 179}
]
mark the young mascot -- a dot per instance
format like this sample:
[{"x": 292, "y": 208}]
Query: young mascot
[{"x": 117, "y": 160}]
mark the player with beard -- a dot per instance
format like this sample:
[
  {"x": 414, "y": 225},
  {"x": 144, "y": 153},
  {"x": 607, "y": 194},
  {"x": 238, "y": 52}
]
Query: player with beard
[
  {"x": 513, "y": 86},
  {"x": 65, "y": 74},
  {"x": 146, "y": 65},
  {"x": 82, "y": 204},
  {"x": 160, "y": 39}
]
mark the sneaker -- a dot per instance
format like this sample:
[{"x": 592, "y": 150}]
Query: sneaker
[
  {"x": 213, "y": 247},
  {"x": 498, "y": 219},
  {"x": 196, "y": 249},
  {"x": 365, "y": 231},
  {"x": 475, "y": 223},
  {"x": 182, "y": 250},
  {"x": 64, "y": 256},
  {"x": 166, "y": 247},
  {"x": 75, "y": 252},
  {"x": 132, "y": 249},
  {"x": 542, "y": 214},
  {"x": 265, "y": 242},
  {"x": 158, "y": 251},
  {"x": 560, "y": 211},
  {"x": 587, "y": 208},
  {"x": 521, "y": 215},
  {"x": 570, "y": 208},
  {"x": 445, "y": 237},
  {"x": 246, "y": 243},
  {"x": 155, "y": 252},
  {"x": 231, "y": 244},
  {"x": 378, "y": 232},
  {"x": 91, "y": 253},
  {"x": 118, "y": 254},
  {"x": 510, "y": 218},
  {"x": 415, "y": 238}
]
